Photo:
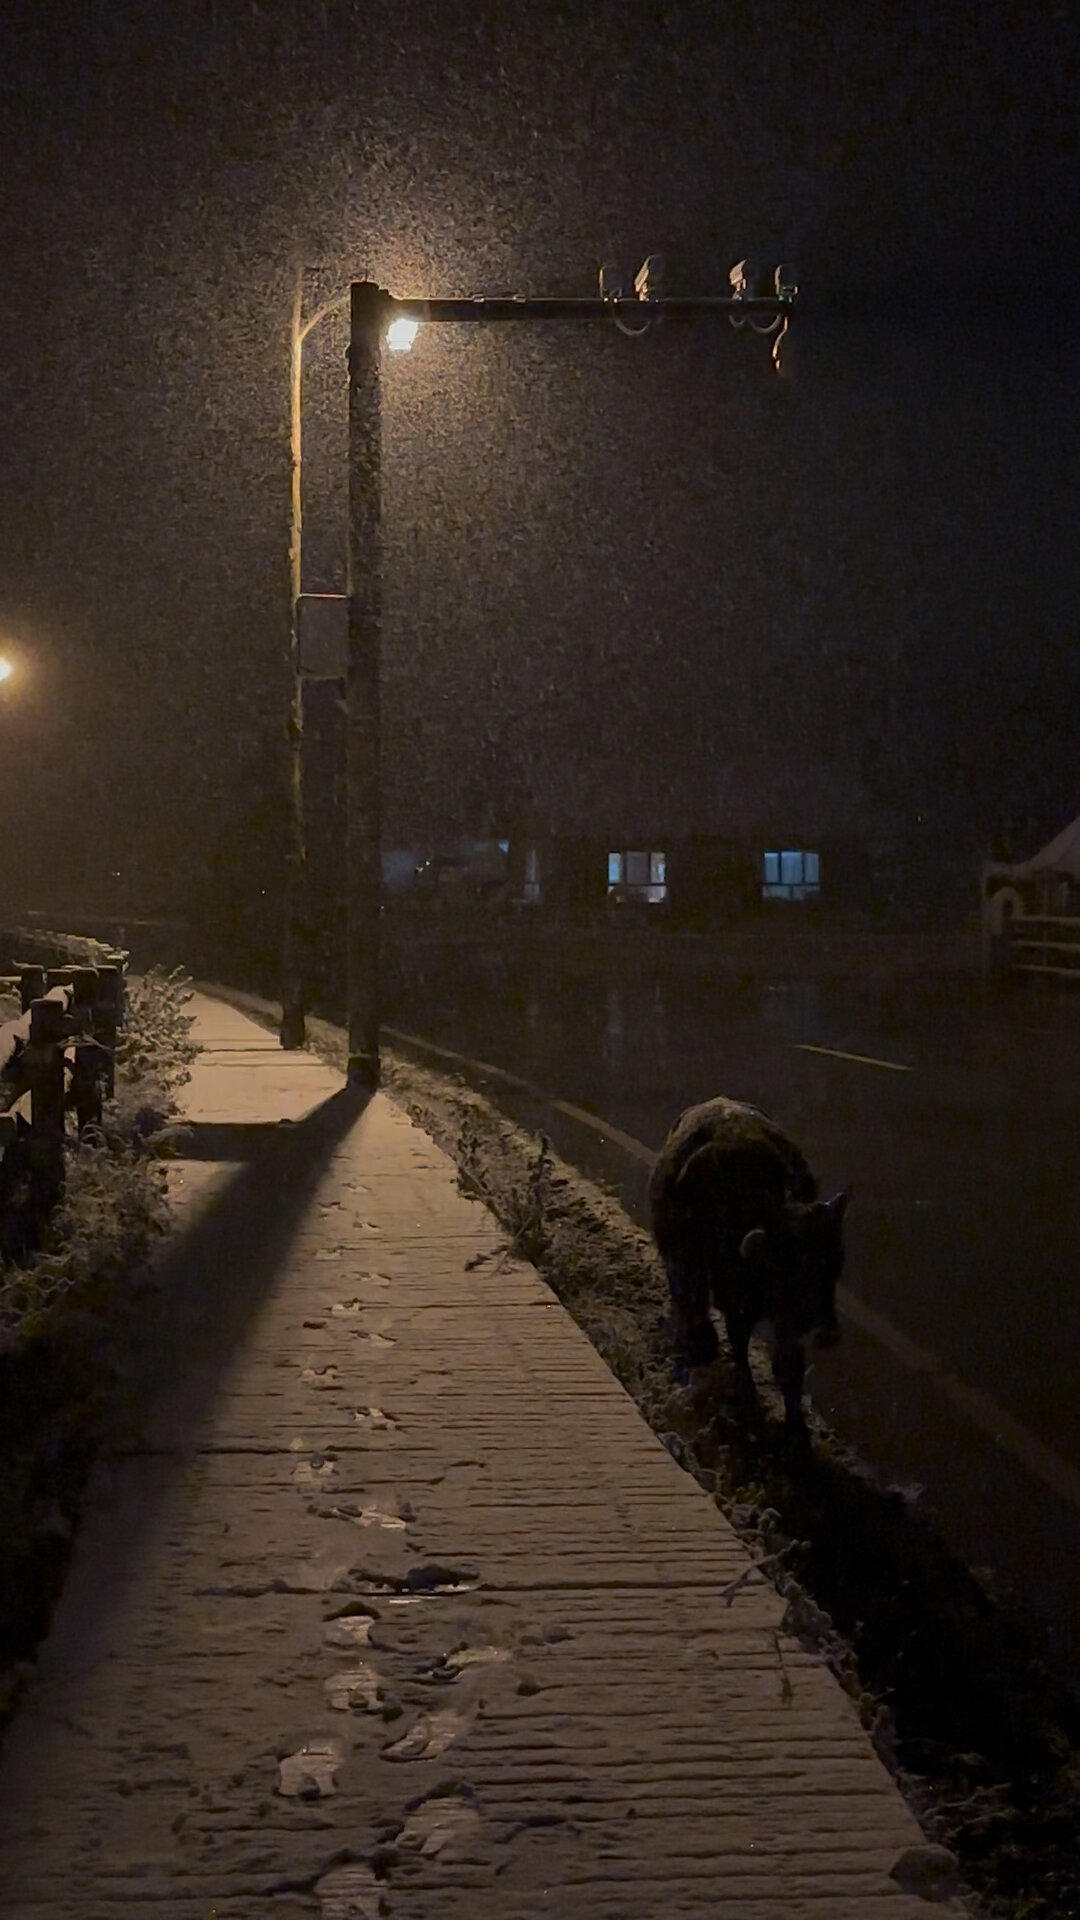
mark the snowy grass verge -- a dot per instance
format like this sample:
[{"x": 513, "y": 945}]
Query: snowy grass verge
[{"x": 65, "y": 1312}]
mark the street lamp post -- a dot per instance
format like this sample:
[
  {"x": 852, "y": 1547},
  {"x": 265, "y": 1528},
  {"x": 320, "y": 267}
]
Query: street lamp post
[
  {"x": 374, "y": 313},
  {"x": 363, "y": 847},
  {"x": 295, "y": 943},
  {"x": 296, "y": 929}
]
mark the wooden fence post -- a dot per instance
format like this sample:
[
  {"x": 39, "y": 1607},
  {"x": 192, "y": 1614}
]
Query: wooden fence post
[
  {"x": 87, "y": 1082},
  {"x": 31, "y": 986},
  {"x": 46, "y": 1063},
  {"x": 108, "y": 1014},
  {"x": 84, "y": 994}
]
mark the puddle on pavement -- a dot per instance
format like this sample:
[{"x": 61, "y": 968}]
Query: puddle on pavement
[
  {"x": 418, "y": 1584},
  {"x": 311, "y": 1772},
  {"x": 428, "y": 1737},
  {"x": 436, "y": 1579},
  {"x": 349, "y": 1893},
  {"x": 322, "y": 1378},
  {"x": 439, "y": 1822},
  {"x": 376, "y": 1339},
  {"x": 354, "y": 1687}
]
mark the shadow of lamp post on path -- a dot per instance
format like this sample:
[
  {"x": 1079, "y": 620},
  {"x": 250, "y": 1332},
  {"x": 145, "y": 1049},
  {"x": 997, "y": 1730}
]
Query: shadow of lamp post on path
[{"x": 378, "y": 318}]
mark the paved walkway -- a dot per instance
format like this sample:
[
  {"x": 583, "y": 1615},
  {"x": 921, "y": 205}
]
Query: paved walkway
[{"x": 399, "y": 1608}]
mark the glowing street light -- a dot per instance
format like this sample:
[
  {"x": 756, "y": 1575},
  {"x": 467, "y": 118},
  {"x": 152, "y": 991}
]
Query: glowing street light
[
  {"x": 401, "y": 333},
  {"x": 6, "y": 669}
]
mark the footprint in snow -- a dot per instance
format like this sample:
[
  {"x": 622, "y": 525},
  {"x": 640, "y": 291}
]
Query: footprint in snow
[
  {"x": 442, "y": 1821},
  {"x": 354, "y": 1687},
  {"x": 310, "y": 1773},
  {"x": 428, "y": 1736},
  {"x": 325, "y": 1378}
]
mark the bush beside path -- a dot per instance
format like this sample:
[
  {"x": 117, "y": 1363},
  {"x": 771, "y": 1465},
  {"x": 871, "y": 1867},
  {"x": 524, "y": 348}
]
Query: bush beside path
[{"x": 70, "y": 1309}]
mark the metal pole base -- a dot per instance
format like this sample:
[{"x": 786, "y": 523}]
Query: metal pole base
[
  {"x": 363, "y": 1071},
  {"x": 293, "y": 1031}
]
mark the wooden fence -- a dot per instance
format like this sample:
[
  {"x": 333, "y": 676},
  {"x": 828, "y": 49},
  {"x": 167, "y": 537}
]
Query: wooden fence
[
  {"x": 58, "y": 1058},
  {"x": 1045, "y": 945}
]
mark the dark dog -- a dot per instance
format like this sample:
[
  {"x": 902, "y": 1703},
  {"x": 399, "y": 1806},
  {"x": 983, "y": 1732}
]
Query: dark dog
[{"x": 738, "y": 1224}]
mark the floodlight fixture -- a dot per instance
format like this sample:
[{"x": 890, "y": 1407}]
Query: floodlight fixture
[{"x": 401, "y": 333}]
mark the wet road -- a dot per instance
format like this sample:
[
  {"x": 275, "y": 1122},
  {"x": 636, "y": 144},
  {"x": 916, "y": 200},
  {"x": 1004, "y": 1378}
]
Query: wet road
[{"x": 956, "y": 1121}]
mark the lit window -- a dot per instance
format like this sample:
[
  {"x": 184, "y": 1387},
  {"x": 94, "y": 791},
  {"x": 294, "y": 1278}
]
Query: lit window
[
  {"x": 638, "y": 874},
  {"x": 790, "y": 874}
]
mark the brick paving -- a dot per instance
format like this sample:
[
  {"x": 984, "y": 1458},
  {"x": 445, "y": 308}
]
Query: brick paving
[{"x": 397, "y": 1606}]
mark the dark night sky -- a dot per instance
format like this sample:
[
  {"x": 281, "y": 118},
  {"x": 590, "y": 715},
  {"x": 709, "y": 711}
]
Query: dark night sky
[{"x": 635, "y": 579}]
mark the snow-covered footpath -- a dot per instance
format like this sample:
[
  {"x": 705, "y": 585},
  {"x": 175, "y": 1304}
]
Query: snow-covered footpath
[{"x": 398, "y": 1606}]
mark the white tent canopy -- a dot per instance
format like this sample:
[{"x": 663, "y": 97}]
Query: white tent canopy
[{"x": 1062, "y": 855}]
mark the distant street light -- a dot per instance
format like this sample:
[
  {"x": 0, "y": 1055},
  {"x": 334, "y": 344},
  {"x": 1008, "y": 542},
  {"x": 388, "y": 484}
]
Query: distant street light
[
  {"x": 6, "y": 669},
  {"x": 375, "y": 316}
]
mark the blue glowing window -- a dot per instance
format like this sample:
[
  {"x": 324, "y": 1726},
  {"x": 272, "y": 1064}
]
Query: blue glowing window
[{"x": 790, "y": 874}]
